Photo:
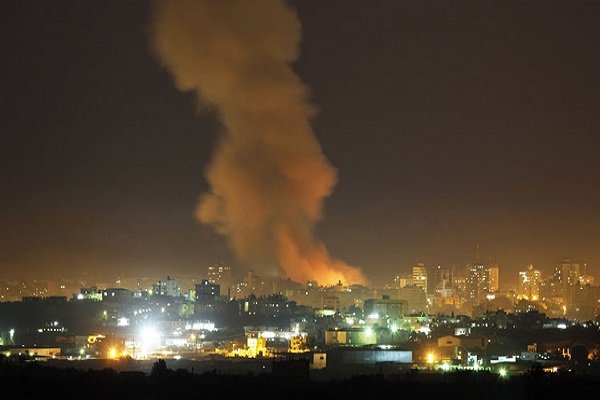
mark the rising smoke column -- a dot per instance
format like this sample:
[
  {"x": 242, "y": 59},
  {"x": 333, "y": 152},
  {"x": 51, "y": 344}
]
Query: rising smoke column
[{"x": 268, "y": 177}]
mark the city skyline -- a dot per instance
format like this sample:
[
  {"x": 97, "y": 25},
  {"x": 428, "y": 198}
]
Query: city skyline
[
  {"x": 471, "y": 282},
  {"x": 449, "y": 130}
]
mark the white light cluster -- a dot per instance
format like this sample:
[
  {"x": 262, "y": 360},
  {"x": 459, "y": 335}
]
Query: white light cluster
[{"x": 201, "y": 326}]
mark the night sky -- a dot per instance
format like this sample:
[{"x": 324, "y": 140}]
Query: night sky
[{"x": 451, "y": 124}]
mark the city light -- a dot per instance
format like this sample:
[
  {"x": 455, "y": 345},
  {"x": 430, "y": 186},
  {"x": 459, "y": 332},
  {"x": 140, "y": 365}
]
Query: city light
[
  {"x": 197, "y": 326},
  {"x": 177, "y": 221},
  {"x": 112, "y": 353},
  {"x": 430, "y": 358},
  {"x": 149, "y": 340},
  {"x": 149, "y": 335},
  {"x": 424, "y": 329}
]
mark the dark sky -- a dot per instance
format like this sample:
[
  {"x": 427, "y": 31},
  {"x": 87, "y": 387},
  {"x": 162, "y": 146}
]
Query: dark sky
[{"x": 450, "y": 123}]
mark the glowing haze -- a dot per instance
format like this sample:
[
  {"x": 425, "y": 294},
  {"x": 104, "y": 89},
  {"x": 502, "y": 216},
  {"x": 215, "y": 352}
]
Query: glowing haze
[{"x": 268, "y": 177}]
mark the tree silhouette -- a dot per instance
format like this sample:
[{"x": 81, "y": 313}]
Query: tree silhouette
[
  {"x": 159, "y": 369},
  {"x": 579, "y": 355}
]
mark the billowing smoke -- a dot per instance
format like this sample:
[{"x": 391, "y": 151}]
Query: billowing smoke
[{"x": 268, "y": 177}]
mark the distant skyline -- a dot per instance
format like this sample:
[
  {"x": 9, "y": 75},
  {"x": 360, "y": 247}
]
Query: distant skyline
[
  {"x": 449, "y": 124},
  {"x": 187, "y": 280}
]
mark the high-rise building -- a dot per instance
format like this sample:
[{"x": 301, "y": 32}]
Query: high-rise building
[
  {"x": 170, "y": 287},
  {"x": 477, "y": 282},
  {"x": 567, "y": 273},
  {"x": 442, "y": 281},
  {"x": 529, "y": 284},
  {"x": 220, "y": 274},
  {"x": 419, "y": 276},
  {"x": 566, "y": 277},
  {"x": 493, "y": 278},
  {"x": 401, "y": 281},
  {"x": 207, "y": 290},
  {"x": 481, "y": 280},
  {"x": 460, "y": 285}
]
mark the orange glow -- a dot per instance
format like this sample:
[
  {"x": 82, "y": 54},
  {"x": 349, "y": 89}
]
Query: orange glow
[
  {"x": 430, "y": 358},
  {"x": 112, "y": 353},
  {"x": 302, "y": 261},
  {"x": 268, "y": 177}
]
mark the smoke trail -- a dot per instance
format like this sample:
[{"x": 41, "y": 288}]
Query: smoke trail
[{"x": 268, "y": 176}]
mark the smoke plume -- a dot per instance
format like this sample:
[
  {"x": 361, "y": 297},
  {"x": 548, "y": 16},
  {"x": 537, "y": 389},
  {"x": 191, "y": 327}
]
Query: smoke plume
[{"x": 268, "y": 177}]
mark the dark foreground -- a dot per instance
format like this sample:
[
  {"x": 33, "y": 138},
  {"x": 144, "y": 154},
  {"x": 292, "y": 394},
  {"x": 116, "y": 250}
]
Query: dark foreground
[{"x": 31, "y": 380}]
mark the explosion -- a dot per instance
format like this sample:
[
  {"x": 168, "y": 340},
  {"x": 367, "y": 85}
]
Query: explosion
[{"x": 268, "y": 177}]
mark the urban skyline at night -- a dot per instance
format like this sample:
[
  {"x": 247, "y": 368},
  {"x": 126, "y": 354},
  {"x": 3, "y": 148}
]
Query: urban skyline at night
[{"x": 300, "y": 199}]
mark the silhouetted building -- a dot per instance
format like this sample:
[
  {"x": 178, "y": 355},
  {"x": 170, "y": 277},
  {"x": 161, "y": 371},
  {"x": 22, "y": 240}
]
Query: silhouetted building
[
  {"x": 170, "y": 287},
  {"x": 117, "y": 295},
  {"x": 441, "y": 282},
  {"x": 207, "y": 290},
  {"x": 566, "y": 276},
  {"x": 386, "y": 308},
  {"x": 220, "y": 274}
]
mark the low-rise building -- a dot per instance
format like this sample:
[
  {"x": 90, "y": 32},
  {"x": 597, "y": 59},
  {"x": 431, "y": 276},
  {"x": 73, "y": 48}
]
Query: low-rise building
[{"x": 350, "y": 336}]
